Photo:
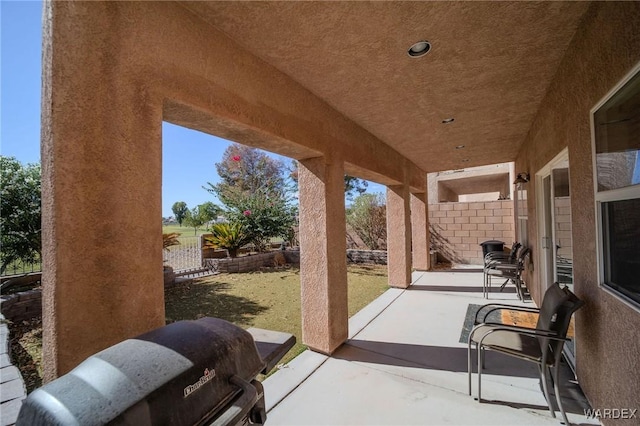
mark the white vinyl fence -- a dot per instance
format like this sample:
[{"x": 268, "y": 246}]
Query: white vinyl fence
[{"x": 186, "y": 256}]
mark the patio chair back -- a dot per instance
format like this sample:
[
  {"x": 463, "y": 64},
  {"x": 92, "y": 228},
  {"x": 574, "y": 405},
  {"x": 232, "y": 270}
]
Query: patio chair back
[
  {"x": 522, "y": 254},
  {"x": 558, "y": 305},
  {"x": 513, "y": 255}
]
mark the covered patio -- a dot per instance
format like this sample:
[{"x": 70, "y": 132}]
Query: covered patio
[
  {"x": 336, "y": 86},
  {"x": 405, "y": 363}
]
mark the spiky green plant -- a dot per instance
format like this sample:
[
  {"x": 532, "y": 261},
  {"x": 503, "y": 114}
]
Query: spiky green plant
[
  {"x": 229, "y": 236},
  {"x": 169, "y": 240}
]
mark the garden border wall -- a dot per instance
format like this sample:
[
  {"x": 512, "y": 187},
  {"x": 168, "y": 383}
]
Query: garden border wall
[
  {"x": 22, "y": 306},
  {"x": 254, "y": 262}
]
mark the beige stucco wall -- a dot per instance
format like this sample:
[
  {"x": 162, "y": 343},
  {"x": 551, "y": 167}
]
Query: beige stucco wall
[
  {"x": 604, "y": 49},
  {"x": 112, "y": 71}
]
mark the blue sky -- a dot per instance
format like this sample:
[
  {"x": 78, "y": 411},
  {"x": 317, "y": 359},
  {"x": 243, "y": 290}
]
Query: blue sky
[{"x": 188, "y": 156}]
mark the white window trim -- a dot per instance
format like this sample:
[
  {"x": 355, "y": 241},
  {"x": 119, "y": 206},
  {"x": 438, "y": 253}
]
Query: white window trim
[
  {"x": 619, "y": 194},
  {"x": 521, "y": 230}
]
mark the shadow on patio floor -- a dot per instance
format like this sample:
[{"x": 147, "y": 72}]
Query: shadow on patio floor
[
  {"x": 455, "y": 360},
  {"x": 458, "y": 288},
  {"x": 431, "y": 357}
]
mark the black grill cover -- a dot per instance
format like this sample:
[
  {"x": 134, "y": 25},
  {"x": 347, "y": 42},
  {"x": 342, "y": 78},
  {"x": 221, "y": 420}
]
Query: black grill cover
[{"x": 178, "y": 374}]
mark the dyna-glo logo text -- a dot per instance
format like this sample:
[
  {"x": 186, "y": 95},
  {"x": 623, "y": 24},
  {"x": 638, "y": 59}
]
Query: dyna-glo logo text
[{"x": 208, "y": 376}]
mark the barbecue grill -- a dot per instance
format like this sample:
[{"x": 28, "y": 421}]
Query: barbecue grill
[{"x": 186, "y": 373}]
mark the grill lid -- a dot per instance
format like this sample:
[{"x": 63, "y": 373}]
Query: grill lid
[{"x": 177, "y": 374}]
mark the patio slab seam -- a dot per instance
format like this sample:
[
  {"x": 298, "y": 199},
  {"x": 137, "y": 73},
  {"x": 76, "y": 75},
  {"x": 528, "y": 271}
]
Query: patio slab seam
[{"x": 292, "y": 376}]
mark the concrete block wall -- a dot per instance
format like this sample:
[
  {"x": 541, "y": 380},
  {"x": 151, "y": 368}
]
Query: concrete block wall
[{"x": 457, "y": 229}]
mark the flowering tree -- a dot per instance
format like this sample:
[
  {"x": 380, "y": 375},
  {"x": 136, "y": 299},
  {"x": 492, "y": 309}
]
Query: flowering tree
[
  {"x": 254, "y": 191},
  {"x": 247, "y": 170},
  {"x": 263, "y": 217}
]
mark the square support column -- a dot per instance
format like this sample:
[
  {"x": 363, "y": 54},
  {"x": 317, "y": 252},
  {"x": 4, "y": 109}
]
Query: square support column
[
  {"x": 102, "y": 273},
  {"x": 323, "y": 259},
  {"x": 399, "y": 236},
  {"x": 420, "y": 235}
]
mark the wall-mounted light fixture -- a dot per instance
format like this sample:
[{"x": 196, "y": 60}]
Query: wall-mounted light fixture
[{"x": 522, "y": 178}]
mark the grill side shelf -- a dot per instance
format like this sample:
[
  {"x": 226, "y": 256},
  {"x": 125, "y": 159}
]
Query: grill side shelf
[{"x": 271, "y": 345}]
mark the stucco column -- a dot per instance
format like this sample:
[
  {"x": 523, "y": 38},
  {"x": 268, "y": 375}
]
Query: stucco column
[
  {"x": 420, "y": 231},
  {"x": 398, "y": 236},
  {"x": 323, "y": 260},
  {"x": 101, "y": 189}
]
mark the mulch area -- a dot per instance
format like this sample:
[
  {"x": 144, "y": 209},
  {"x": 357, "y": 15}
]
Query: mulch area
[{"x": 26, "y": 351}]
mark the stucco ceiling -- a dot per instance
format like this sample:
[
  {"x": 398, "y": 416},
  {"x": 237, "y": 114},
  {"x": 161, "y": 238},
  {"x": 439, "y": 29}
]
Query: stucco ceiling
[{"x": 489, "y": 68}]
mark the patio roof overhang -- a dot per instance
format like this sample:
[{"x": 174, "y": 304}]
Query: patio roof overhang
[
  {"x": 329, "y": 84},
  {"x": 489, "y": 67}
]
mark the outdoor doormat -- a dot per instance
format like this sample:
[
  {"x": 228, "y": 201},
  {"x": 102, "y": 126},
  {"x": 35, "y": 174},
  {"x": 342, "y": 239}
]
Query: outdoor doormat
[{"x": 503, "y": 316}]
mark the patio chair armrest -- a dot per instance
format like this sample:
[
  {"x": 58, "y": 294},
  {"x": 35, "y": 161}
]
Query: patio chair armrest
[
  {"x": 534, "y": 332},
  {"x": 506, "y": 266},
  {"x": 496, "y": 256},
  {"x": 511, "y": 266},
  {"x": 502, "y": 306},
  {"x": 522, "y": 329},
  {"x": 495, "y": 260}
]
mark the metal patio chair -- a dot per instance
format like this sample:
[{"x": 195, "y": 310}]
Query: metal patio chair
[
  {"x": 509, "y": 269},
  {"x": 496, "y": 256},
  {"x": 541, "y": 345}
]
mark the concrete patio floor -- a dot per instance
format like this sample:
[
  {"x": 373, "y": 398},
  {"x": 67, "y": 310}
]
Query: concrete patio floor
[{"x": 404, "y": 364}]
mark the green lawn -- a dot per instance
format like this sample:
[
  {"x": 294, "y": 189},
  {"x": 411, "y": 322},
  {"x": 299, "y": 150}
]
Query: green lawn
[
  {"x": 269, "y": 300},
  {"x": 184, "y": 231}
]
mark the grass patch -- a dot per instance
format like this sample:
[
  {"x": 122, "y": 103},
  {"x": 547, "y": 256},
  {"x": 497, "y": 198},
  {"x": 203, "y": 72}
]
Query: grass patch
[
  {"x": 184, "y": 231},
  {"x": 267, "y": 299}
]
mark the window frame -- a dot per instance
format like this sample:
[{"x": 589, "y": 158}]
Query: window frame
[
  {"x": 618, "y": 194},
  {"x": 520, "y": 205}
]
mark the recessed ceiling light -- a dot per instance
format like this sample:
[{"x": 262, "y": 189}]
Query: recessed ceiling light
[
  {"x": 459, "y": 146},
  {"x": 419, "y": 49},
  {"x": 448, "y": 120}
]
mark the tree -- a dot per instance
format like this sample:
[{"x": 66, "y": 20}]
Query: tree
[
  {"x": 179, "y": 209},
  {"x": 20, "y": 212},
  {"x": 368, "y": 218},
  {"x": 246, "y": 170},
  {"x": 254, "y": 191},
  {"x": 210, "y": 211},
  {"x": 201, "y": 215},
  {"x": 263, "y": 217},
  {"x": 353, "y": 186}
]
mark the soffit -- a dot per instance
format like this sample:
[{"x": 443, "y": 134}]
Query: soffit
[
  {"x": 477, "y": 184},
  {"x": 489, "y": 67}
]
